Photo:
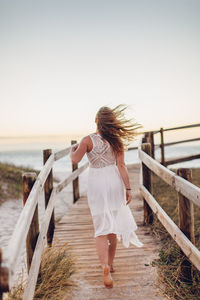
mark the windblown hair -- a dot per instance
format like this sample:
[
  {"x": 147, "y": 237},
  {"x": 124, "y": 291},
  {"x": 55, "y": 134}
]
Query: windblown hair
[{"x": 115, "y": 128}]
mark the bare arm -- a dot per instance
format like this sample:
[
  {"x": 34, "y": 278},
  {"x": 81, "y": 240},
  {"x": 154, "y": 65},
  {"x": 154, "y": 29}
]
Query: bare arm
[
  {"x": 124, "y": 174},
  {"x": 78, "y": 151}
]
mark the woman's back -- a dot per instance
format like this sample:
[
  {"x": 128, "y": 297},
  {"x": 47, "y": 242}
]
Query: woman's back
[{"x": 101, "y": 154}]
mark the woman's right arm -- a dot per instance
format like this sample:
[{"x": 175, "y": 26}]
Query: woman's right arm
[{"x": 124, "y": 174}]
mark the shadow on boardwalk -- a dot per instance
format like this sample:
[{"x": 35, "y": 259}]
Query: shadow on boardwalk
[{"x": 134, "y": 277}]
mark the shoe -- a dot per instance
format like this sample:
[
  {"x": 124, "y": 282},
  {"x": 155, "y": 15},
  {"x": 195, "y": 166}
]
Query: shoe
[{"x": 108, "y": 281}]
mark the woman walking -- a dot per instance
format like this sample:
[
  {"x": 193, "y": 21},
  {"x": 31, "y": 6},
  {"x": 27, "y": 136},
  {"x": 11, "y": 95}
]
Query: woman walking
[{"x": 109, "y": 189}]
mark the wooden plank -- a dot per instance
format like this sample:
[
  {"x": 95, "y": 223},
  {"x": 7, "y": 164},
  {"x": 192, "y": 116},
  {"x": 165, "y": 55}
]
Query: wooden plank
[
  {"x": 146, "y": 175},
  {"x": 17, "y": 240},
  {"x": 133, "y": 265},
  {"x": 184, "y": 243},
  {"x": 176, "y": 160},
  {"x": 162, "y": 147},
  {"x": 41, "y": 242},
  {"x": 46, "y": 170},
  {"x": 28, "y": 181},
  {"x": 75, "y": 183},
  {"x": 20, "y": 232},
  {"x": 48, "y": 187},
  {"x": 186, "y": 188},
  {"x": 4, "y": 287},
  {"x": 179, "y": 142},
  {"x": 69, "y": 179},
  {"x": 182, "y": 127},
  {"x": 186, "y": 224},
  {"x": 171, "y": 128},
  {"x": 60, "y": 154}
]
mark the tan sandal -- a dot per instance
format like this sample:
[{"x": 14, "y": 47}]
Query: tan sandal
[{"x": 108, "y": 281}]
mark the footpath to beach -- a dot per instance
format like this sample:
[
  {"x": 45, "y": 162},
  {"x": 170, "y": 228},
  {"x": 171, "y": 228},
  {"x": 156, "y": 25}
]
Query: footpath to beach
[{"x": 134, "y": 277}]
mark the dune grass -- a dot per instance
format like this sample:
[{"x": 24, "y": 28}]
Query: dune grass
[
  {"x": 11, "y": 181},
  {"x": 170, "y": 256},
  {"x": 54, "y": 281}
]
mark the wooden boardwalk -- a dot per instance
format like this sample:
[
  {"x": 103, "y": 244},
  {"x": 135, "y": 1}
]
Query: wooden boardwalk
[{"x": 134, "y": 277}]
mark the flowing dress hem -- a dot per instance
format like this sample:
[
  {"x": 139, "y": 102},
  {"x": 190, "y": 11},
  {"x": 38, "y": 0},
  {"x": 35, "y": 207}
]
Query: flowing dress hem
[{"x": 127, "y": 237}]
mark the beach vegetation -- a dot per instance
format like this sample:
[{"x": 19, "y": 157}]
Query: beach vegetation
[{"x": 170, "y": 255}]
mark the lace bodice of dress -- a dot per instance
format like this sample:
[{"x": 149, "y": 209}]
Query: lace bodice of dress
[{"x": 101, "y": 154}]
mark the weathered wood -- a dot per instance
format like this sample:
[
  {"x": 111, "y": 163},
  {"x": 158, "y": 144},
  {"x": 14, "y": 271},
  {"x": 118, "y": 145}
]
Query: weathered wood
[
  {"x": 171, "y": 128},
  {"x": 75, "y": 183},
  {"x": 45, "y": 170},
  {"x": 48, "y": 187},
  {"x": 133, "y": 268},
  {"x": 69, "y": 179},
  {"x": 162, "y": 147},
  {"x": 4, "y": 274},
  {"x": 132, "y": 148},
  {"x": 182, "y": 127},
  {"x": 146, "y": 173},
  {"x": 144, "y": 138},
  {"x": 180, "y": 142},
  {"x": 151, "y": 137},
  {"x": 184, "y": 243},
  {"x": 28, "y": 180},
  {"x": 186, "y": 222},
  {"x": 60, "y": 154},
  {"x": 17, "y": 240},
  {"x": 41, "y": 242},
  {"x": 186, "y": 188},
  {"x": 176, "y": 160}
]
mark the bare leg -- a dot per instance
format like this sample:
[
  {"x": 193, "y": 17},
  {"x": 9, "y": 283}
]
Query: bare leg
[
  {"x": 102, "y": 250},
  {"x": 112, "y": 249}
]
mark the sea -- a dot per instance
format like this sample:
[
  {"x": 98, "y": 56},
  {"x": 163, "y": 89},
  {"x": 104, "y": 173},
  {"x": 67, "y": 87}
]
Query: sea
[{"x": 29, "y": 153}]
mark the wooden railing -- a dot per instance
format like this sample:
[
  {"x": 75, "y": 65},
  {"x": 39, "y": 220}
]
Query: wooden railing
[
  {"x": 27, "y": 227},
  {"x": 188, "y": 195},
  {"x": 149, "y": 137}
]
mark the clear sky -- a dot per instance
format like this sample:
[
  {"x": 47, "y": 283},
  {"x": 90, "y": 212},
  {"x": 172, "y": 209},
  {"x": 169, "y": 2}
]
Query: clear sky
[{"x": 62, "y": 60}]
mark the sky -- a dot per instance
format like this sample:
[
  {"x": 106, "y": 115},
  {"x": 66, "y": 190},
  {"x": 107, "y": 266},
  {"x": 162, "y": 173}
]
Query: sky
[{"x": 60, "y": 61}]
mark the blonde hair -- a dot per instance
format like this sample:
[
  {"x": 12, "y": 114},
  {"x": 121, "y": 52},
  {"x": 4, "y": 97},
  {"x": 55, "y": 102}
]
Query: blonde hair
[{"x": 115, "y": 128}]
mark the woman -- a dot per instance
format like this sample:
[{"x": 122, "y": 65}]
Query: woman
[{"x": 109, "y": 189}]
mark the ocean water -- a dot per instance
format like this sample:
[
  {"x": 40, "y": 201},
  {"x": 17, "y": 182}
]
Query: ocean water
[{"x": 34, "y": 158}]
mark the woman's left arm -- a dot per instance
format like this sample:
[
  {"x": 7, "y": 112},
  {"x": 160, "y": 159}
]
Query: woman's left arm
[
  {"x": 78, "y": 151},
  {"x": 124, "y": 174}
]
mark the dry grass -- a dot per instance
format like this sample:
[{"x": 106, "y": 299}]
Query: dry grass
[
  {"x": 11, "y": 181},
  {"x": 170, "y": 255},
  {"x": 54, "y": 282}
]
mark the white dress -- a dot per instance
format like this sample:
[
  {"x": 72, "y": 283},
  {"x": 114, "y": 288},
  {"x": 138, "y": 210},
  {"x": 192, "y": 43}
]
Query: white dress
[{"x": 106, "y": 195}]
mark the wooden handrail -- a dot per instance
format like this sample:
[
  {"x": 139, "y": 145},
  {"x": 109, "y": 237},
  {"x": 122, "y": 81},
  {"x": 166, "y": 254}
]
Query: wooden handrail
[
  {"x": 184, "y": 243},
  {"x": 170, "y": 128},
  {"x": 179, "y": 142},
  {"x": 70, "y": 178},
  {"x": 61, "y": 153},
  {"x": 42, "y": 239},
  {"x": 21, "y": 229},
  {"x": 189, "y": 190},
  {"x": 182, "y": 127}
]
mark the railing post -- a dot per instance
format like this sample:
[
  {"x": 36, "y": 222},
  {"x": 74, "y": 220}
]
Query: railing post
[
  {"x": 186, "y": 222},
  {"x": 149, "y": 138},
  {"x": 4, "y": 286},
  {"x": 146, "y": 174},
  {"x": 48, "y": 187},
  {"x": 162, "y": 147},
  {"x": 151, "y": 135},
  {"x": 28, "y": 180},
  {"x": 75, "y": 183}
]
